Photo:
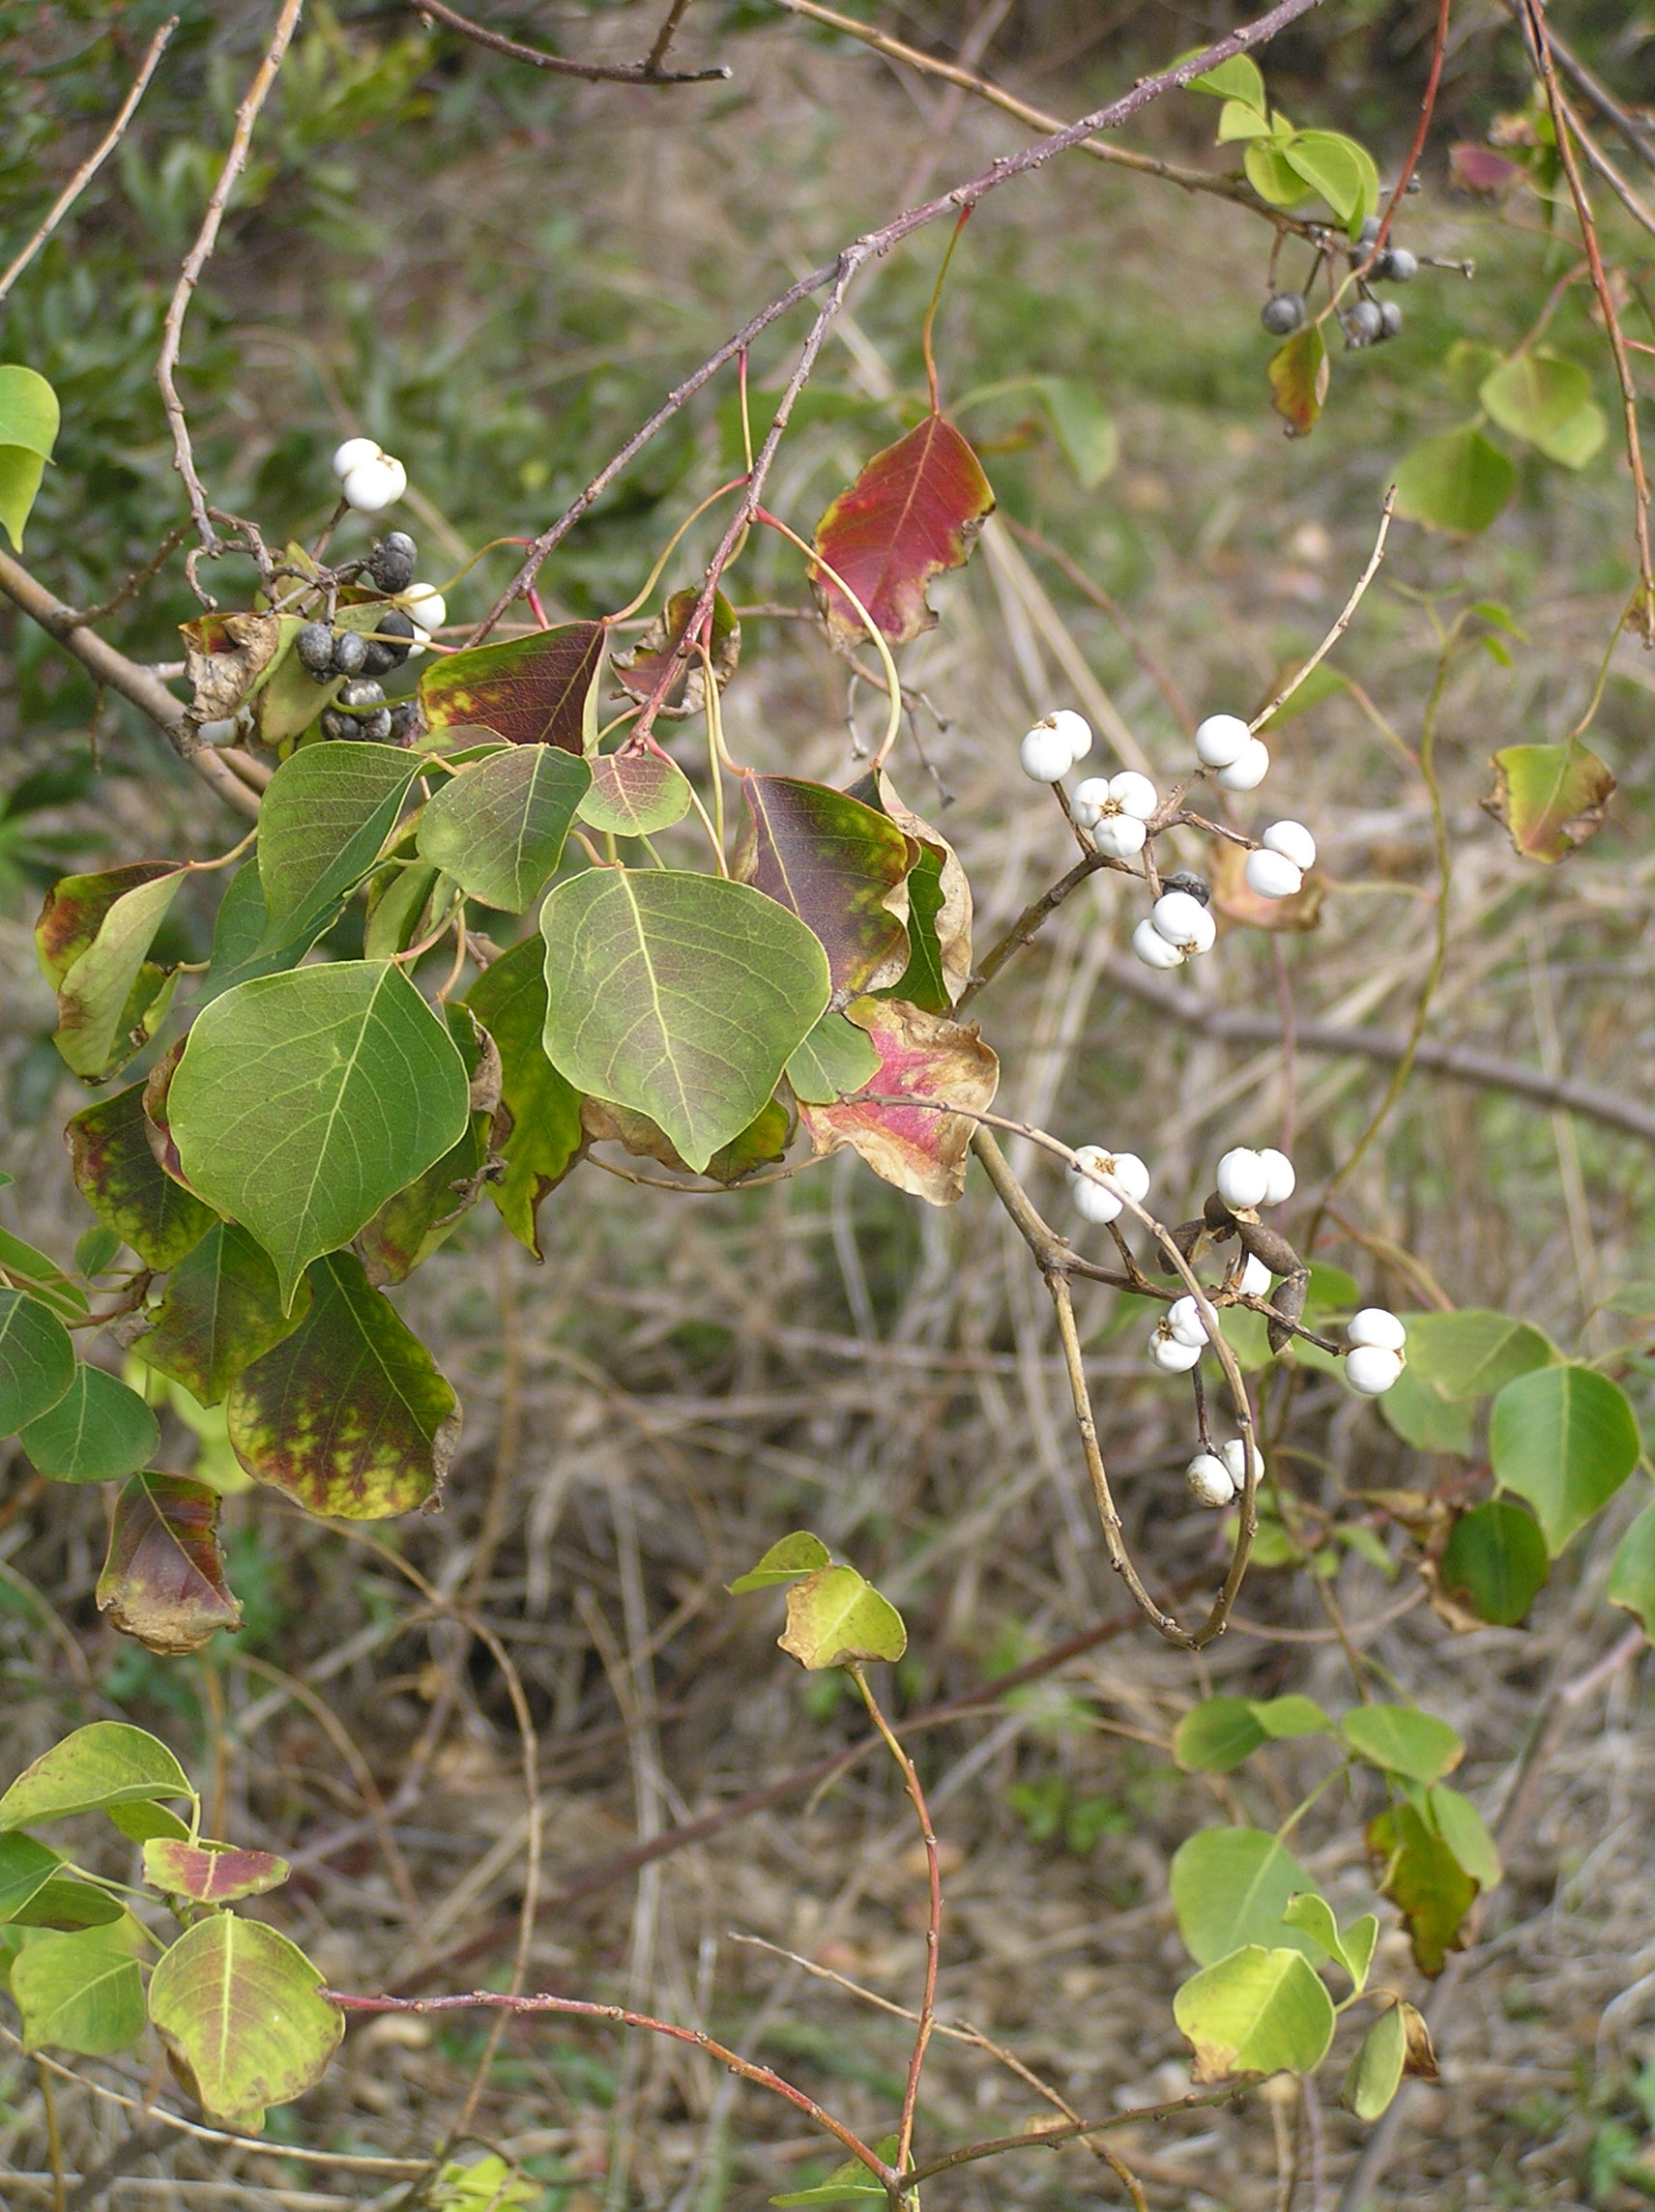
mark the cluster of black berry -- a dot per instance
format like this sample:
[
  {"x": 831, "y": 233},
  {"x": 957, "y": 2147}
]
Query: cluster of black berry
[
  {"x": 1367, "y": 321},
  {"x": 359, "y": 710}
]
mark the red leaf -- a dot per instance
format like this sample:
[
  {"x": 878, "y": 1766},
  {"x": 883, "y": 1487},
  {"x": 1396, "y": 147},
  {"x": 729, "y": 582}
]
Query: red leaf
[
  {"x": 210, "y": 1875},
  {"x": 163, "y": 1580},
  {"x": 923, "y": 1057},
  {"x": 529, "y": 690},
  {"x": 914, "y": 510},
  {"x": 841, "y": 866},
  {"x": 1479, "y": 169}
]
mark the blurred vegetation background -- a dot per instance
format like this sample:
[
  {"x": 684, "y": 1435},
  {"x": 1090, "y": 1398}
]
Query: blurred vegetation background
[{"x": 498, "y": 274}]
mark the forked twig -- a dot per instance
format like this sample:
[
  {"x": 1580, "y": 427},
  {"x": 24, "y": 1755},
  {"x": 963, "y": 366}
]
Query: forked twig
[{"x": 590, "y": 73}]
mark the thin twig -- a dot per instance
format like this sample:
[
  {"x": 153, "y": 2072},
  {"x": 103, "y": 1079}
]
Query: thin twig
[
  {"x": 1422, "y": 129},
  {"x": 1342, "y": 624},
  {"x": 196, "y": 259},
  {"x": 657, "y": 53},
  {"x": 95, "y": 160},
  {"x": 590, "y": 73},
  {"x": 135, "y": 582}
]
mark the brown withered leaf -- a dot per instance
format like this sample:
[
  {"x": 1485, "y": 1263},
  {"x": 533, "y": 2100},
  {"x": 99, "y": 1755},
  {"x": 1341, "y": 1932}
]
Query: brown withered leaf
[
  {"x": 163, "y": 1580},
  {"x": 926, "y": 1058},
  {"x": 1421, "y": 2060},
  {"x": 1235, "y": 899},
  {"x": 640, "y": 670},
  {"x": 224, "y": 656},
  {"x": 1298, "y": 374}
]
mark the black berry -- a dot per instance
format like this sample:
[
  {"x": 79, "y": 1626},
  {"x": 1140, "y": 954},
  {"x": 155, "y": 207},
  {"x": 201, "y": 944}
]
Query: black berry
[
  {"x": 1396, "y": 264},
  {"x": 1186, "y": 880},
  {"x": 1369, "y": 232},
  {"x": 1364, "y": 323},
  {"x": 1390, "y": 319},
  {"x": 404, "y": 722},
  {"x": 1282, "y": 314},
  {"x": 394, "y": 560},
  {"x": 374, "y": 728},
  {"x": 362, "y": 693},
  {"x": 391, "y": 648},
  {"x": 314, "y": 646},
  {"x": 338, "y": 726},
  {"x": 349, "y": 652}
]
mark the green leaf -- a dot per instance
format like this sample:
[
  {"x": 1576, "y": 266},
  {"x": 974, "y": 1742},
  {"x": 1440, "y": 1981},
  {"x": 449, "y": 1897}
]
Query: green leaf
[
  {"x": 1632, "y": 1572},
  {"x": 1536, "y": 395},
  {"x": 349, "y": 1415},
  {"x": 304, "y": 1102},
  {"x": 497, "y": 827},
  {"x": 25, "y": 1869},
  {"x": 323, "y": 822},
  {"x": 840, "y": 866},
  {"x": 1217, "y": 1735},
  {"x": 1359, "y": 1941},
  {"x": 212, "y": 1874},
  {"x": 1238, "y": 78},
  {"x": 164, "y": 1580},
  {"x": 118, "y": 1175},
  {"x": 28, "y": 431},
  {"x": 1230, "y": 1887},
  {"x": 1466, "y": 1833},
  {"x": 26, "y": 1268},
  {"x": 1270, "y": 175},
  {"x": 1457, "y": 482},
  {"x": 410, "y": 1226},
  {"x": 510, "y": 999},
  {"x": 1565, "y": 1438},
  {"x": 1473, "y": 1353},
  {"x": 786, "y": 1562},
  {"x": 37, "y": 1360},
  {"x": 81, "y": 1992},
  {"x": 398, "y": 898},
  {"x": 1402, "y": 1740},
  {"x": 634, "y": 794},
  {"x": 1337, "y": 168},
  {"x": 1579, "y": 440},
  {"x": 1256, "y": 2012},
  {"x": 104, "y": 1764},
  {"x": 1424, "y": 1879},
  {"x": 222, "y": 1310},
  {"x": 847, "y": 2184},
  {"x": 1495, "y": 1562},
  {"x": 1424, "y": 1416},
  {"x": 834, "y": 1617},
  {"x": 939, "y": 907},
  {"x": 1550, "y": 797},
  {"x": 761, "y": 1144},
  {"x": 67, "y": 1903},
  {"x": 111, "y": 998},
  {"x": 1310, "y": 1912},
  {"x": 1375, "y": 2072},
  {"x": 142, "y": 1820},
  {"x": 834, "y": 1059},
  {"x": 681, "y": 996},
  {"x": 1236, "y": 121},
  {"x": 535, "y": 691},
  {"x": 1084, "y": 426},
  {"x": 1298, "y": 374},
  {"x": 1282, "y": 1718},
  {"x": 240, "y": 952},
  {"x": 237, "y": 2005},
  {"x": 97, "y": 1431}
]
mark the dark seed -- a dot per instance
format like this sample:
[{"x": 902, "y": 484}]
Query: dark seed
[
  {"x": 394, "y": 560},
  {"x": 349, "y": 652},
  {"x": 1186, "y": 880}
]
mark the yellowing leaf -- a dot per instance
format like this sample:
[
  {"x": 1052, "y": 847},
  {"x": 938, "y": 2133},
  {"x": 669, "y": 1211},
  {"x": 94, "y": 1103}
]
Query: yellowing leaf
[
  {"x": 834, "y": 1617},
  {"x": 1256, "y": 2012},
  {"x": 1550, "y": 797}
]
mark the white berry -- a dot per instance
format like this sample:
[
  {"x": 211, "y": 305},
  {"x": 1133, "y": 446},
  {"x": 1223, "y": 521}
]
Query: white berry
[
  {"x": 1092, "y": 1202},
  {"x": 1248, "y": 769},
  {"x": 1272, "y": 875},
  {"x": 1371, "y": 1370},
  {"x": 353, "y": 452},
  {"x": 1076, "y": 730},
  {"x": 1172, "y": 1357},
  {"x": 1242, "y": 1180},
  {"x": 1089, "y": 801},
  {"x": 1183, "y": 1319},
  {"x": 1293, "y": 842},
  {"x": 1236, "y": 1460},
  {"x": 1255, "y": 1278},
  {"x": 1182, "y": 921},
  {"x": 1374, "y": 1327},
  {"x": 1134, "y": 794},
  {"x": 1282, "y": 1181},
  {"x": 429, "y": 608},
  {"x": 1119, "y": 837},
  {"x": 1209, "y": 1480},
  {"x": 1222, "y": 739},
  {"x": 375, "y": 485},
  {"x": 1045, "y": 753},
  {"x": 1126, "y": 1172},
  {"x": 1153, "y": 949}
]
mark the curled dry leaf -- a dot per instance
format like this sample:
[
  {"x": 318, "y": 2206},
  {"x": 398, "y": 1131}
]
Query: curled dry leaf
[
  {"x": 930, "y": 1060},
  {"x": 640, "y": 670},
  {"x": 1550, "y": 797},
  {"x": 163, "y": 1579},
  {"x": 938, "y": 906},
  {"x": 1299, "y": 380},
  {"x": 224, "y": 657},
  {"x": 1237, "y": 902}
]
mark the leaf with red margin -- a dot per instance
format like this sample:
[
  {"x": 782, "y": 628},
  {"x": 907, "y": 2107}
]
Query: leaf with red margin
[
  {"x": 639, "y": 671},
  {"x": 1298, "y": 374},
  {"x": 535, "y": 691},
  {"x": 939, "y": 907},
  {"x": 1550, "y": 797},
  {"x": 163, "y": 1579},
  {"x": 212, "y": 1874},
  {"x": 118, "y": 1175},
  {"x": 914, "y": 510},
  {"x": 841, "y": 866},
  {"x": 74, "y": 912},
  {"x": 926, "y": 1058},
  {"x": 350, "y": 1415}
]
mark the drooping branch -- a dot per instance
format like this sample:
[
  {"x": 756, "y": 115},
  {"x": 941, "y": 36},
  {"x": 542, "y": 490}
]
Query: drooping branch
[{"x": 649, "y": 72}]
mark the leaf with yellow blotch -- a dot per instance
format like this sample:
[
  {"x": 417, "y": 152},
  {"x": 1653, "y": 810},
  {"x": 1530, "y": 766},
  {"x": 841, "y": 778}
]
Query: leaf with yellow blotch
[
  {"x": 1298, "y": 374},
  {"x": 834, "y": 1617},
  {"x": 931, "y": 1061},
  {"x": 914, "y": 510},
  {"x": 535, "y": 691},
  {"x": 1550, "y": 797}
]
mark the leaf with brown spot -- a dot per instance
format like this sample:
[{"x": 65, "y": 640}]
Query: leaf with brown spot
[
  {"x": 1550, "y": 797},
  {"x": 1233, "y": 897},
  {"x": 603, "y": 1122},
  {"x": 535, "y": 691},
  {"x": 226, "y": 657},
  {"x": 1414, "y": 1868},
  {"x": 761, "y": 1144},
  {"x": 113, "y": 998},
  {"x": 939, "y": 907},
  {"x": 222, "y": 1310},
  {"x": 75, "y": 909},
  {"x": 841, "y": 866},
  {"x": 163, "y": 1579},
  {"x": 118, "y": 1175},
  {"x": 1298, "y": 374},
  {"x": 350, "y": 1415},
  {"x": 914, "y": 510},
  {"x": 926, "y": 1058},
  {"x": 212, "y": 1874},
  {"x": 640, "y": 670}
]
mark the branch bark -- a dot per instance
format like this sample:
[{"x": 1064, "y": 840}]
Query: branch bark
[{"x": 648, "y": 71}]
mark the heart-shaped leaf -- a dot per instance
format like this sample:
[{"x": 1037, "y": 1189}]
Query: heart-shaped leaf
[
  {"x": 835, "y": 1616},
  {"x": 1299, "y": 373},
  {"x": 322, "y": 825},
  {"x": 639, "y": 671},
  {"x": 212, "y": 1874},
  {"x": 681, "y": 996},
  {"x": 1230, "y": 1887},
  {"x": 1496, "y": 1562},
  {"x": 1256, "y": 2012},
  {"x": 1458, "y": 483},
  {"x": 535, "y": 691},
  {"x": 1550, "y": 797},
  {"x": 28, "y": 431},
  {"x": 106, "y": 1762},
  {"x": 81, "y": 1992},
  {"x": 841, "y": 866},
  {"x": 1415, "y": 1869},
  {"x": 545, "y": 1137},
  {"x": 788, "y": 1561},
  {"x": 1402, "y": 1740},
  {"x": 97, "y": 1431},
  {"x": 350, "y": 1414},
  {"x": 933, "y": 1062},
  {"x": 497, "y": 827},
  {"x": 118, "y": 1175},
  {"x": 411, "y": 1225},
  {"x": 1537, "y": 397},
  {"x": 914, "y": 510},
  {"x": 304, "y": 1102},
  {"x": 237, "y": 2005},
  {"x": 164, "y": 1580},
  {"x": 1565, "y": 1438},
  {"x": 634, "y": 794},
  {"x": 1238, "y": 78},
  {"x": 1474, "y": 1352}
]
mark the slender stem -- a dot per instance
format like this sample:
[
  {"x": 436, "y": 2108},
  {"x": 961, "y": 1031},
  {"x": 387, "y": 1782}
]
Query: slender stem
[
  {"x": 1427, "y": 105},
  {"x": 1040, "y": 2139},
  {"x": 1341, "y": 625},
  {"x": 877, "y": 636},
  {"x": 590, "y": 73},
  {"x": 934, "y": 1920},
  {"x": 935, "y": 302}
]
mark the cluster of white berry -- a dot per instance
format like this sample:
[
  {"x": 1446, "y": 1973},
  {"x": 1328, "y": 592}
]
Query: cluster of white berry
[
  {"x": 369, "y": 478},
  {"x": 1246, "y": 1180},
  {"x": 1125, "y": 1177},
  {"x": 1375, "y": 1358},
  {"x": 1215, "y": 1479},
  {"x": 1240, "y": 761}
]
